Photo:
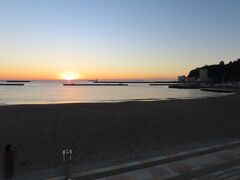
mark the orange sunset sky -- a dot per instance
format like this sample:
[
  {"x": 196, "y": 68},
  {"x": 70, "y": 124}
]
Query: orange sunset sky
[{"x": 48, "y": 40}]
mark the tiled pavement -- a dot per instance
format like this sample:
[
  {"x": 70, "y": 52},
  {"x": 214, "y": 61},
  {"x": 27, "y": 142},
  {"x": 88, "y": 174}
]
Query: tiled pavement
[
  {"x": 187, "y": 168},
  {"x": 230, "y": 173},
  {"x": 204, "y": 163}
]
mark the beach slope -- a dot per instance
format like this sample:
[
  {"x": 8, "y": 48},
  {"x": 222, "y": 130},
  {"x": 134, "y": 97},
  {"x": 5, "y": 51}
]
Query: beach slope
[{"x": 100, "y": 131}]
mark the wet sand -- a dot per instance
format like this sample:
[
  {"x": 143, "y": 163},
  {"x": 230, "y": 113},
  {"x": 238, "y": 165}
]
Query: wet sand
[{"x": 106, "y": 131}]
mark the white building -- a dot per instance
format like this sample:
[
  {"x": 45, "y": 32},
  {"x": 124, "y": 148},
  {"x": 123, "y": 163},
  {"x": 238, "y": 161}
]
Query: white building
[{"x": 203, "y": 76}]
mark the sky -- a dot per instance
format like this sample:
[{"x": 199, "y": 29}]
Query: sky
[{"x": 115, "y": 39}]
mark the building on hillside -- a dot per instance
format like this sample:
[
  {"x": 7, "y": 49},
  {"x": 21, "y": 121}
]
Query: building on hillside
[
  {"x": 181, "y": 78},
  {"x": 221, "y": 63},
  {"x": 203, "y": 76}
]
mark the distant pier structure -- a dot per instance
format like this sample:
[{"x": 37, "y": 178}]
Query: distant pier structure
[
  {"x": 12, "y": 84},
  {"x": 18, "y": 81}
]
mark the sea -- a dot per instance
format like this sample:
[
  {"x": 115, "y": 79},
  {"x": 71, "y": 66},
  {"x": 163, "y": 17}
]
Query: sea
[{"x": 53, "y": 92}]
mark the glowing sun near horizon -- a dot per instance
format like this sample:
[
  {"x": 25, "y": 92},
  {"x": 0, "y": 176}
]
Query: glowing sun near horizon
[{"x": 69, "y": 76}]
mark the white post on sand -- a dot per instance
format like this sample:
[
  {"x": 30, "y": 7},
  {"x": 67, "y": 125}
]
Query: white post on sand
[{"x": 67, "y": 158}]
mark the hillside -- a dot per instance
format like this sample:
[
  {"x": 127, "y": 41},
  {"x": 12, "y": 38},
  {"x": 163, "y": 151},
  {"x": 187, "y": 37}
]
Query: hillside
[{"x": 221, "y": 72}]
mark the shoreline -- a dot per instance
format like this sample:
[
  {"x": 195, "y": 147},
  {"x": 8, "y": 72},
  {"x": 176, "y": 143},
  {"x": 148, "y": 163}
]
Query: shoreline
[
  {"x": 121, "y": 101},
  {"x": 104, "y": 131}
]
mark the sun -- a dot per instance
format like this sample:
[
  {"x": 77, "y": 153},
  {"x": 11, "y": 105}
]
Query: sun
[{"x": 69, "y": 76}]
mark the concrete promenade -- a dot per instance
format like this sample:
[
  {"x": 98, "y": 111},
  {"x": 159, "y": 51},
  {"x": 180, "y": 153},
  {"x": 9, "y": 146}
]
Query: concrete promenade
[{"x": 218, "y": 161}]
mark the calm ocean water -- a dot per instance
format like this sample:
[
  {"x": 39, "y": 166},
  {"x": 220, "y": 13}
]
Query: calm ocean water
[{"x": 51, "y": 92}]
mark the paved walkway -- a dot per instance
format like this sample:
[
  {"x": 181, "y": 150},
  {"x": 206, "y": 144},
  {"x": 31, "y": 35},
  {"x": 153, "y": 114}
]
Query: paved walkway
[
  {"x": 212, "y": 162},
  {"x": 204, "y": 166}
]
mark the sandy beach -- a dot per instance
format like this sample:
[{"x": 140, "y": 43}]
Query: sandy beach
[{"x": 104, "y": 131}]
